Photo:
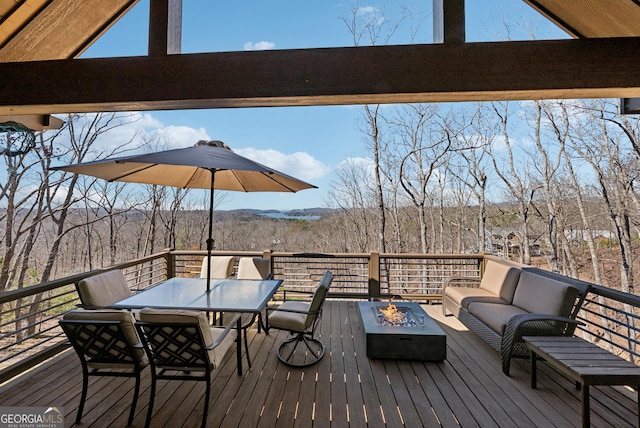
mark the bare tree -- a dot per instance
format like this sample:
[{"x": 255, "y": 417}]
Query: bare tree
[
  {"x": 424, "y": 143},
  {"x": 514, "y": 179},
  {"x": 471, "y": 166},
  {"x": 371, "y": 26},
  {"x": 605, "y": 152},
  {"x": 352, "y": 193}
]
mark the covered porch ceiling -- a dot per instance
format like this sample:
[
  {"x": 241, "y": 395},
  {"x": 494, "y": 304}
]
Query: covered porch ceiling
[{"x": 40, "y": 73}]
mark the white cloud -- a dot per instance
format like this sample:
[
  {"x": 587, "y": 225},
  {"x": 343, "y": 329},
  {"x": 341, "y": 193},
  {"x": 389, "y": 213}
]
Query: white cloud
[
  {"x": 300, "y": 164},
  {"x": 356, "y": 169},
  {"x": 174, "y": 137},
  {"x": 358, "y": 162},
  {"x": 148, "y": 121},
  {"x": 367, "y": 10},
  {"x": 259, "y": 46},
  {"x": 139, "y": 132}
]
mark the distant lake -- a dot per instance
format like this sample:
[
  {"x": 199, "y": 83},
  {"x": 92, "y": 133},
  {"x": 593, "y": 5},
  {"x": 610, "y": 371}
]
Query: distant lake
[{"x": 281, "y": 215}]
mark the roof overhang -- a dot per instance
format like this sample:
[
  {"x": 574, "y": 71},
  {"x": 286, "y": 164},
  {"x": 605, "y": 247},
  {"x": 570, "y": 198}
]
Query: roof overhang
[
  {"x": 588, "y": 18},
  {"x": 40, "y": 38},
  {"x": 52, "y": 29}
]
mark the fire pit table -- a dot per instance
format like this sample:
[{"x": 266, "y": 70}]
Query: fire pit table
[{"x": 403, "y": 331}]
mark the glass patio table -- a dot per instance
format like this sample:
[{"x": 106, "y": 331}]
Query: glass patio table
[{"x": 226, "y": 295}]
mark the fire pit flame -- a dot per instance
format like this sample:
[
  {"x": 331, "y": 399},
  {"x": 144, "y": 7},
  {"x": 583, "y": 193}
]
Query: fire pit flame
[{"x": 392, "y": 316}]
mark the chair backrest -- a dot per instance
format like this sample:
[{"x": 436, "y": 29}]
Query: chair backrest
[
  {"x": 103, "y": 289},
  {"x": 254, "y": 268},
  {"x": 104, "y": 338},
  {"x": 319, "y": 296},
  {"x": 221, "y": 267},
  {"x": 177, "y": 339}
]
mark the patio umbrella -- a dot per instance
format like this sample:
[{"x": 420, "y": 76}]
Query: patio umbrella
[{"x": 206, "y": 165}]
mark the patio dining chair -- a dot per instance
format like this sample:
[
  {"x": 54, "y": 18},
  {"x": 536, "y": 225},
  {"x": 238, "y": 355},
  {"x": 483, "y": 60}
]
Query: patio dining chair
[
  {"x": 101, "y": 290},
  {"x": 255, "y": 268},
  {"x": 181, "y": 345},
  {"x": 107, "y": 344},
  {"x": 221, "y": 267},
  {"x": 301, "y": 319}
]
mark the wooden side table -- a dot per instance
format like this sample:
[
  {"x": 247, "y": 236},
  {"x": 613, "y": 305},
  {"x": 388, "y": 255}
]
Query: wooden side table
[{"x": 584, "y": 363}]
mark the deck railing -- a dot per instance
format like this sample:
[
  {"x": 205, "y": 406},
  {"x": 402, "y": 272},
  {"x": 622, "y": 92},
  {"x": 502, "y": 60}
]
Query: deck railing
[{"x": 29, "y": 331}]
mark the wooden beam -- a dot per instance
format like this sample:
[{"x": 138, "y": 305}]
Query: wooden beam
[
  {"x": 583, "y": 68},
  {"x": 629, "y": 106},
  {"x": 448, "y": 21},
  {"x": 57, "y": 29},
  {"x": 591, "y": 19},
  {"x": 165, "y": 27}
]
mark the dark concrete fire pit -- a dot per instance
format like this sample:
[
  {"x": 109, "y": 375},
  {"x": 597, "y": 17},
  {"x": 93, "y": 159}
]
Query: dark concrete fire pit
[{"x": 408, "y": 333}]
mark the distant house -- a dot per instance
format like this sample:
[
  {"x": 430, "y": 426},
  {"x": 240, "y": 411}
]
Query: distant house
[{"x": 507, "y": 243}]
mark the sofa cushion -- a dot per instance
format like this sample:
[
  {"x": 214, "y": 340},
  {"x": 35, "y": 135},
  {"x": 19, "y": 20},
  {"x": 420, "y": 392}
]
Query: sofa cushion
[
  {"x": 500, "y": 280},
  {"x": 463, "y": 296},
  {"x": 494, "y": 315},
  {"x": 541, "y": 295}
]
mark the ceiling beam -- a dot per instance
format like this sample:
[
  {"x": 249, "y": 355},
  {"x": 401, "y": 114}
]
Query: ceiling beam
[{"x": 585, "y": 68}]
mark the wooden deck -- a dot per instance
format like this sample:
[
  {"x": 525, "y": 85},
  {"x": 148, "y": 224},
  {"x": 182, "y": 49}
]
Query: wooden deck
[{"x": 344, "y": 389}]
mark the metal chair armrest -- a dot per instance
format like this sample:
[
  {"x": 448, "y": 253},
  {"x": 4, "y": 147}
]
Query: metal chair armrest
[
  {"x": 293, "y": 311},
  {"x": 304, "y": 292},
  {"x": 234, "y": 323}
]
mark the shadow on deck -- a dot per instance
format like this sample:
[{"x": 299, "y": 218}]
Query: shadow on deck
[{"x": 344, "y": 389}]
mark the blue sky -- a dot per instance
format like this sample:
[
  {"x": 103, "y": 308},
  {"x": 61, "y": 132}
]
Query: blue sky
[{"x": 307, "y": 142}]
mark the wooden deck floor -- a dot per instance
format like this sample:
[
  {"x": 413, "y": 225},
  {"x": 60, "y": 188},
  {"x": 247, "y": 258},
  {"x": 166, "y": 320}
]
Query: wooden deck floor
[{"x": 344, "y": 389}]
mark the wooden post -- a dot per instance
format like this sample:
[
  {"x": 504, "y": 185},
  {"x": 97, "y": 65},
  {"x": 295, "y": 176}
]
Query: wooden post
[
  {"x": 171, "y": 263},
  {"x": 448, "y": 21},
  {"x": 266, "y": 254},
  {"x": 374, "y": 275},
  {"x": 165, "y": 27},
  {"x": 629, "y": 106}
]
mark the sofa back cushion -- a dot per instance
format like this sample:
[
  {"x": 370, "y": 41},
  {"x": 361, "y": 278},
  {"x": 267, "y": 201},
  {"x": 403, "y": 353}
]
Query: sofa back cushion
[
  {"x": 500, "y": 280},
  {"x": 541, "y": 295}
]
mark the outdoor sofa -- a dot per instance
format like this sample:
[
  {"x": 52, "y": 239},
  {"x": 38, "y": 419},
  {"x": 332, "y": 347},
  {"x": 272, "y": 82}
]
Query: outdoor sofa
[{"x": 511, "y": 301}]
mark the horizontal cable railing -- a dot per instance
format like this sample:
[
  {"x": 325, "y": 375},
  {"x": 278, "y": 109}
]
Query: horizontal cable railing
[
  {"x": 418, "y": 277},
  {"x": 29, "y": 331},
  {"x": 612, "y": 321}
]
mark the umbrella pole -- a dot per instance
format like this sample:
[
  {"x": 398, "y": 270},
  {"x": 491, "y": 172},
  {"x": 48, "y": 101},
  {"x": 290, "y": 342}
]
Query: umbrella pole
[{"x": 210, "y": 240}]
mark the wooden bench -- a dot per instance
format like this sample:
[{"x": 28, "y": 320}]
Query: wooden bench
[{"x": 584, "y": 363}]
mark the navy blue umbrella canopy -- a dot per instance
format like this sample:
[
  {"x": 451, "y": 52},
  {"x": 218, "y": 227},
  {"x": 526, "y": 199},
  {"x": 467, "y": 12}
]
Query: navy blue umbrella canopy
[{"x": 206, "y": 165}]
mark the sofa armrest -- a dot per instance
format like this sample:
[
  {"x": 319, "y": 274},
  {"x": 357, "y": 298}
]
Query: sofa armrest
[
  {"x": 452, "y": 279},
  {"x": 532, "y": 325}
]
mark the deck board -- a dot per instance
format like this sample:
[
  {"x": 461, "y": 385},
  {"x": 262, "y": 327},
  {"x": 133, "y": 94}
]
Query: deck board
[{"x": 346, "y": 389}]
